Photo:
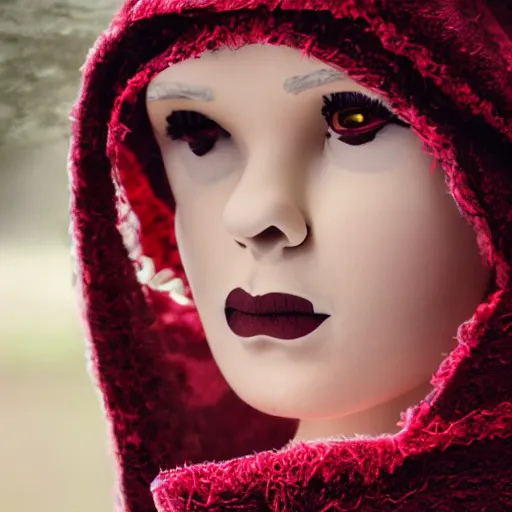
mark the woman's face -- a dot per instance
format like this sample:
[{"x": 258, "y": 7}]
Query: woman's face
[{"x": 290, "y": 178}]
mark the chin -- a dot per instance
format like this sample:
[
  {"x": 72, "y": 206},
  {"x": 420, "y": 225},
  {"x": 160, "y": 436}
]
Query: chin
[{"x": 290, "y": 402}]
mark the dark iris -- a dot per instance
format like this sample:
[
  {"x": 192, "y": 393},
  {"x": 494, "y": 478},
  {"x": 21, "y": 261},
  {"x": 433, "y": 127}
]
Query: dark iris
[
  {"x": 201, "y": 146},
  {"x": 200, "y": 132}
]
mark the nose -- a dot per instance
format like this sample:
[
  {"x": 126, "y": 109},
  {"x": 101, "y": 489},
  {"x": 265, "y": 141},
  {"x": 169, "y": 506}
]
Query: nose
[{"x": 263, "y": 213}]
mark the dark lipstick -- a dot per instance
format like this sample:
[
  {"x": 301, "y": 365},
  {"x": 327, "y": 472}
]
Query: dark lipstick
[{"x": 279, "y": 315}]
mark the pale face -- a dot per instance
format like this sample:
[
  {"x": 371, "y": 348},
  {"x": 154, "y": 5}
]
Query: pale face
[{"x": 335, "y": 205}]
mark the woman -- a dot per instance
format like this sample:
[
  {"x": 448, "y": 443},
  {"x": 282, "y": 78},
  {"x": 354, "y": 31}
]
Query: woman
[{"x": 288, "y": 216}]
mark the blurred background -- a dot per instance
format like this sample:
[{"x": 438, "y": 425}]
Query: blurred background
[{"x": 54, "y": 452}]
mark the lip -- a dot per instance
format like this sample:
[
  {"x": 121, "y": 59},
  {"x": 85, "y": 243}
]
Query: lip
[{"x": 278, "y": 315}]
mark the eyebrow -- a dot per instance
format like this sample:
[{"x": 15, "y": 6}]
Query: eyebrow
[
  {"x": 178, "y": 91},
  {"x": 293, "y": 85},
  {"x": 300, "y": 83}
]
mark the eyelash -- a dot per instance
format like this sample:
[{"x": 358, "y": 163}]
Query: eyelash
[
  {"x": 354, "y": 108},
  {"x": 339, "y": 109}
]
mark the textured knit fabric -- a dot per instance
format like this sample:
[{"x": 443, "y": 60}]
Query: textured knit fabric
[{"x": 182, "y": 440}]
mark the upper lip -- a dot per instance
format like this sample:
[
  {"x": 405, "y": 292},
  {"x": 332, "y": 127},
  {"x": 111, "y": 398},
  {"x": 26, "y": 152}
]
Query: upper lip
[{"x": 270, "y": 303}]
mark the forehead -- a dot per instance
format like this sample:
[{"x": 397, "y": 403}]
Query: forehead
[
  {"x": 252, "y": 55},
  {"x": 280, "y": 65}
]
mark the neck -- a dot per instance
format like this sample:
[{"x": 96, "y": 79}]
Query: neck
[{"x": 375, "y": 421}]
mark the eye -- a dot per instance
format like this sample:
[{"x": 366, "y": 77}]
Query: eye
[
  {"x": 200, "y": 132},
  {"x": 356, "y": 118}
]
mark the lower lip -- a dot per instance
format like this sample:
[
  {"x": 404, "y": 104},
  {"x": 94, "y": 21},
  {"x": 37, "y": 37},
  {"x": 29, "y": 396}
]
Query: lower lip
[{"x": 283, "y": 326}]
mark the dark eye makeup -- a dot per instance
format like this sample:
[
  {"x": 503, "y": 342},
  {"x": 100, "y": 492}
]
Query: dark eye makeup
[
  {"x": 357, "y": 118},
  {"x": 200, "y": 132},
  {"x": 352, "y": 116}
]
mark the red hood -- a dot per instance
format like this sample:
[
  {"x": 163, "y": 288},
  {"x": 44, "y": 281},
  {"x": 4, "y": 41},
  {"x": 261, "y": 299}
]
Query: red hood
[{"x": 445, "y": 65}]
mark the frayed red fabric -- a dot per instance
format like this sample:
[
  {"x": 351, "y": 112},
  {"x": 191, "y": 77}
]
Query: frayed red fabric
[{"x": 446, "y": 68}]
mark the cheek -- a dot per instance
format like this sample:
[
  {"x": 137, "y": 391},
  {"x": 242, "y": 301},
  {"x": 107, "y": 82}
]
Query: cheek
[
  {"x": 206, "y": 253},
  {"x": 195, "y": 236},
  {"x": 401, "y": 238},
  {"x": 394, "y": 237},
  {"x": 181, "y": 240},
  {"x": 401, "y": 270},
  {"x": 200, "y": 187},
  {"x": 407, "y": 263},
  {"x": 422, "y": 267}
]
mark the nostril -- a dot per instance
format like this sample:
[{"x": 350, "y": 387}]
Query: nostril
[
  {"x": 270, "y": 236},
  {"x": 271, "y": 232},
  {"x": 264, "y": 240}
]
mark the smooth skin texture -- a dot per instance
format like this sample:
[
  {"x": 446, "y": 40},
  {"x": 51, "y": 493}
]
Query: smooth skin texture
[{"x": 367, "y": 233}]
